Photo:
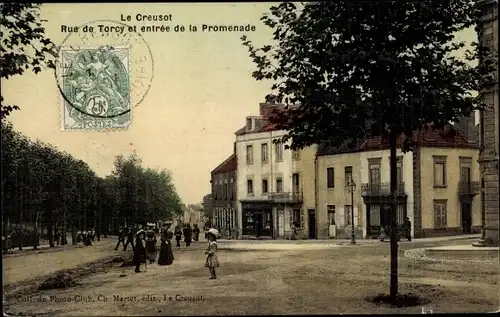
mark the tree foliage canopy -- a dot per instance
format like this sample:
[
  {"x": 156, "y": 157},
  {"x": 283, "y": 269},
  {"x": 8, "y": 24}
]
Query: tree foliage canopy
[
  {"x": 23, "y": 44},
  {"x": 350, "y": 70}
]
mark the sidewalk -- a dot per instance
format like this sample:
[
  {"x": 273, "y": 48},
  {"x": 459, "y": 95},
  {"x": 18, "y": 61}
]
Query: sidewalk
[
  {"x": 348, "y": 241},
  {"x": 30, "y": 265}
]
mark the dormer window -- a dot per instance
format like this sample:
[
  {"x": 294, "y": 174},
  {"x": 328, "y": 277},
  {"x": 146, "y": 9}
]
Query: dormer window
[{"x": 250, "y": 124}]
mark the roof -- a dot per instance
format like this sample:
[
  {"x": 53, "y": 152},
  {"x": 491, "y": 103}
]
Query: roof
[
  {"x": 449, "y": 136},
  {"x": 265, "y": 113},
  {"x": 228, "y": 165}
]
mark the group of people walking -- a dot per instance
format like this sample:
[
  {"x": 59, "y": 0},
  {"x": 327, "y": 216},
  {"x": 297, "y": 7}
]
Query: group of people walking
[
  {"x": 144, "y": 245},
  {"x": 189, "y": 234}
]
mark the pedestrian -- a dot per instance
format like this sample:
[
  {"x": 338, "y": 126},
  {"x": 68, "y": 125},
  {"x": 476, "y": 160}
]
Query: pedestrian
[
  {"x": 196, "y": 232},
  {"x": 187, "y": 234},
  {"x": 178, "y": 236},
  {"x": 151, "y": 246},
  {"x": 294, "y": 231},
  {"x": 408, "y": 228},
  {"x": 166, "y": 255},
  {"x": 211, "y": 253},
  {"x": 121, "y": 238},
  {"x": 130, "y": 239},
  {"x": 139, "y": 250},
  {"x": 79, "y": 237}
]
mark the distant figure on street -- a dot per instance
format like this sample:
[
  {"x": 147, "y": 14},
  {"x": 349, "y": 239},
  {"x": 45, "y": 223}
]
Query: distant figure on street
[
  {"x": 408, "y": 228},
  {"x": 79, "y": 237},
  {"x": 211, "y": 252},
  {"x": 196, "y": 232},
  {"x": 166, "y": 255},
  {"x": 121, "y": 238},
  {"x": 139, "y": 250},
  {"x": 151, "y": 250},
  {"x": 130, "y": 239},
  {"x": 178, "y": 236},
  {"x": 294, "y": 231},
  {"x": 187, "y": 234}
]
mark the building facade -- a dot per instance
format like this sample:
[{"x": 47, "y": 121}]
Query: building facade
[
  {"x": 438, "y": 184},
  {"x": 336, "y": 170},
  {"x": 224, "y": 207},
  {"x": 269, "y": 191},
  {"x": 489, "y": 130}
]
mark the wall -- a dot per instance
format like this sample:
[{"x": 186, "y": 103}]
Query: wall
[
  {"x": 338, "y": 195},
  {"x": 305, "y": 166},
  {"x": 450, "y": 192},
  {"x": 385, "y": 176}
]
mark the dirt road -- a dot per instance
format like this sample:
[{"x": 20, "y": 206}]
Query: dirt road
[{"x": 289, "y": 281}]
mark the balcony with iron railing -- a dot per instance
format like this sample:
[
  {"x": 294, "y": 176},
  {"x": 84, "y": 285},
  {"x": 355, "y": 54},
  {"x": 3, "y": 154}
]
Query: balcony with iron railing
[
  {"x": 469, "y": 188},
  {"x": 381, "y": 189},
  {"x": 286, "y": 197}
]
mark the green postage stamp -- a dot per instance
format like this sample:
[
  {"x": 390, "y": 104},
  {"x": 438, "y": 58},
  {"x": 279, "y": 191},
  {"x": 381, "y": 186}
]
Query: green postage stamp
[{"x": 95, "y": 88}]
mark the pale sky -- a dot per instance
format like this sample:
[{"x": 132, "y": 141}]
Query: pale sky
[{"x": 200, "y": 95}]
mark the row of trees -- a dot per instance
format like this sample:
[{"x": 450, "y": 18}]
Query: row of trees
[{"x": 48, "y": 188}]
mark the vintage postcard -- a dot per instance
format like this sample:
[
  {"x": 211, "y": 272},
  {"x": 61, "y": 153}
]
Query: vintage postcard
[{"x": 250, "y": 158}]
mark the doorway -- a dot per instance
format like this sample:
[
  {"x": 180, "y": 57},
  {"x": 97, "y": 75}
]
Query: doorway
[
  {"x": 312, "y": 223},
  {"x": 466, "y": 218}
]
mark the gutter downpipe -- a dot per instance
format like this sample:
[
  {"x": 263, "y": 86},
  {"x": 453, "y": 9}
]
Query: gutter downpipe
[{"x": 316, "y": 203}]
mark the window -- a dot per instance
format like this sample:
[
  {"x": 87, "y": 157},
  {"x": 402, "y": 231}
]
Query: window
[
  {"x": 440, "y": 220},
  {"x": 249, "y": 123},
  {"x": 374, "y": 176},
  {"x": 231, "y": 189},
  {"x": 439, "y": 171},
  {"x": 249, "y": 154},
  {"x": 225, "y": 190},
  {"x": 249, "y": 186},
  {"x": 278, "y": 147},
  {"x": 279, "y": 185},
  {"x": 331, "y": 214},
  {"x": 295, "y": 155},
  {"x": 465, "y": 174},
  {"x": 348, "y": 176},
  {"x": 263, "y": 153},
  {"x": 399, "y": 173},
  {"x": 264, "y": 186},
  {"x": 347, "y": 215},
  {"x": 330, "y": 183}
]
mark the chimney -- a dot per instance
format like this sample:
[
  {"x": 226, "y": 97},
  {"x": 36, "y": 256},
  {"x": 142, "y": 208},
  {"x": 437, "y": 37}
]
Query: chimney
[
  {"x": 234, "y": 148},
  {"x": 263, "y": 106}
]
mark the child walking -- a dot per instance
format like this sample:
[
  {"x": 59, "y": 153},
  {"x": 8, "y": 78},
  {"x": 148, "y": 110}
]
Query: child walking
[{"x": 212, "y": 261}]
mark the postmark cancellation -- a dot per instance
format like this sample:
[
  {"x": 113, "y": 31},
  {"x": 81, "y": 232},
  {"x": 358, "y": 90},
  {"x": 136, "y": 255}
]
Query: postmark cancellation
[
  {"x": 101, "y": 77},
  {"x": 96, "y": 88}
]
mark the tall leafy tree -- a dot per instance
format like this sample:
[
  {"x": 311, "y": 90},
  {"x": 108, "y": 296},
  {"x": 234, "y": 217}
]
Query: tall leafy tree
[
  {"x": 350, "y": 70},
  {"x": 24, "y": 44}
]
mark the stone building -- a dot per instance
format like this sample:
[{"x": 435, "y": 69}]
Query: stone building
[
  {"x": 223, "y": 214},
  {"x": 489, "y": 130}
]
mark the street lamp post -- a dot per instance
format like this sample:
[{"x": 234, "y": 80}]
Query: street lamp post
[
  {"x": 352, "y": 188},
  {"x": 482, "y": 241}
]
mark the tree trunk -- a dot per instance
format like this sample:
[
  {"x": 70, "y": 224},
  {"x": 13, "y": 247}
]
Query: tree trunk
[
  {"x": 50, "y": 227},
  {"x": 73, "y": 232},
  {"x": 393, "y": 212},
  {"x": 36, "y": 242}
]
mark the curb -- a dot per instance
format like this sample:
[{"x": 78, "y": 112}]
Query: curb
[{"x": 419, "y": 254}]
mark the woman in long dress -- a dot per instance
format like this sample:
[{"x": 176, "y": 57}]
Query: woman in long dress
[
  {"x": 166, "y": 254},
  {"x": 151, "y": 250}
]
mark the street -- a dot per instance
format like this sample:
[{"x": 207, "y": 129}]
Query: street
[{"x": 305, "y": 278}]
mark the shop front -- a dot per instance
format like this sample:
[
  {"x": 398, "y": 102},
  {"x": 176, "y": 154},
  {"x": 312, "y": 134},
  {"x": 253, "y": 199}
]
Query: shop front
[{"x": 257, "y": 220}]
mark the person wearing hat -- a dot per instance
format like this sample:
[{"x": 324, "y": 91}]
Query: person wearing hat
[
  {"x": 151, "y": 245},
  {"x": 211, "y": 252},
  {"x": 166, "y": 255},
  {"x": 178, "y": 236},
  {"x": 139, "y": 250},
  {"x": 187, "y": 234}
]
